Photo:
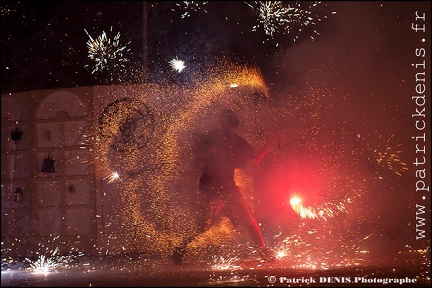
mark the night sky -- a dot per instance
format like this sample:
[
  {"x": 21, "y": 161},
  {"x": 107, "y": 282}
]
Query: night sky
[
  {"x": 44, "y": 44},
  {"x": 359, "y": 52}
]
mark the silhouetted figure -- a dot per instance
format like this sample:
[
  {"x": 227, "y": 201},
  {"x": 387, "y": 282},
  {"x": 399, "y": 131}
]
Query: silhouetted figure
[{"x": 222, "y": 151}]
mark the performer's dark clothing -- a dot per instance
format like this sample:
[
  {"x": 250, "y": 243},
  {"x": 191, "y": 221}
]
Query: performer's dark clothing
[{"x": 221, "y": 153}]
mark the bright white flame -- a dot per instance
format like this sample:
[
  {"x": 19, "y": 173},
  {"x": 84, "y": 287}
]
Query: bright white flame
[
  {"x": 295, "y": 200},
  {"x": 113, "y": 177},
  {"x": 177, "y": 65},
  {"x": 281, "y": 254}
]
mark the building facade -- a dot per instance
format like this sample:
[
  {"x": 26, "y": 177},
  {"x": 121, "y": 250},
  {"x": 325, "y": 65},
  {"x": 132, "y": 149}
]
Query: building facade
[{"x": 55, "y": 196}]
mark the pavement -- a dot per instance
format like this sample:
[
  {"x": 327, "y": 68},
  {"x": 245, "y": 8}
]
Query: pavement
[{"x": 140, "y": 271}]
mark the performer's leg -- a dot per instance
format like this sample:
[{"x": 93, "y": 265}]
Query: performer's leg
[
  {"x": 209, "y": 207},
  {"x": 241, "y": 214}
]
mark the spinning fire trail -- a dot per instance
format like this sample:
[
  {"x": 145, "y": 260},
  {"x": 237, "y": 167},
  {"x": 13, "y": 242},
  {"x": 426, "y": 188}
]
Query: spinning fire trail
[
  {"x": 331, "y": 189},
  {"x": 143, "y": 144},
  {"x": 147, "y": 140},
  {"x": 160, "y": 164}
]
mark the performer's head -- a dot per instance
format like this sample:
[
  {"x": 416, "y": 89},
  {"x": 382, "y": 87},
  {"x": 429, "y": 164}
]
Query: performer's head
[{"x": 228, "y": 119}]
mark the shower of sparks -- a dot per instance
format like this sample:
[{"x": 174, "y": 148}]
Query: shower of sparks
[
  {"x": 149, "y": 171},
  {"x": 328, "y": 183},
  {"x": 169, "y": 150},
  {"x": 193, "y": 6},
  {"x": 335, "y": 242},
  {"x": 303, "y": 248},
  {"x": 177, "y": 65},
  {"x": 113, "y": 177},
  {"x": 222, "y": 263},
  {"x": 106, "y": 52},
  {"x": 325, "y": 211},
  {"x": 283, "y": 17},
  {"x": 6, "y": 10},
  {"x": 44, "y": 264},
  {"x": 387, "y": 155}
]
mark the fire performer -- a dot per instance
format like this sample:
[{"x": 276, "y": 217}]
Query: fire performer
[{"x": 222, "y": 151}]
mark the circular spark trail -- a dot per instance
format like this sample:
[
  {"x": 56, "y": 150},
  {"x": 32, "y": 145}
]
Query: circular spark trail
[
  {"x": 148, "y": 172},
  {"x": 150, "y": 202}
]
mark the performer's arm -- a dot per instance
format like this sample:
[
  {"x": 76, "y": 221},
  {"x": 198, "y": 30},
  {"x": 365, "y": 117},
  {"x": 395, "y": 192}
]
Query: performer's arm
[{"x": 270, "y": 142}]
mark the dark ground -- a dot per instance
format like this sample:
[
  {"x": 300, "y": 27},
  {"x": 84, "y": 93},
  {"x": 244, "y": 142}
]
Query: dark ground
[{"x": 140, "y": 271}]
